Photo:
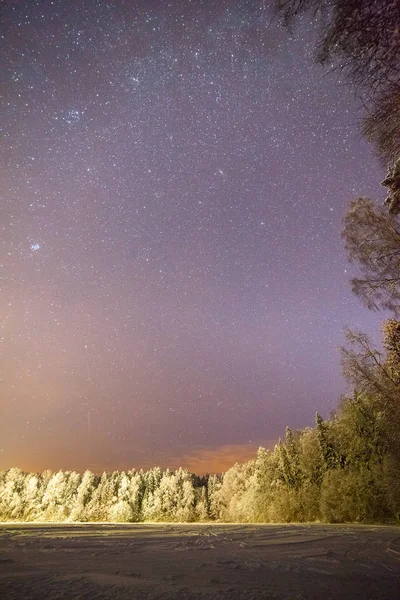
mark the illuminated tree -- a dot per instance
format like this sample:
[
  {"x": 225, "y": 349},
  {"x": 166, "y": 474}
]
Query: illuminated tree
[
  {"x": 185, "y": 496},
  {"x": 214, "y": 488},
  {"x": 365, "y": 368},
  {"x": 71, "y": 491},
  {"x": 391, "y": 343},
  {"x": 201, "y": 504},
  {"x": 32, "y": 497},
  {"x": 312, "y": 469},
  {"x": 265, "y": 473},
  {"x": 292, "y": 450},
  {"x": 284, "y": 467},
  {"x": 11, "y": 499},
  {"x": 53, "y": 502},
  {"x": 150, "y": 508},
  {"x": 137, "y": 491},
  {"x": 121, "y": 510},
  {"x": 84, "y": 494},
  {"x": 368, "y": 425},
  {"x": 326, "y": 445}
]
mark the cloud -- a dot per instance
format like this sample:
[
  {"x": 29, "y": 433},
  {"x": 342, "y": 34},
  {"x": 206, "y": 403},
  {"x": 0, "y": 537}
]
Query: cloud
[{"x": 220, "y": 459}]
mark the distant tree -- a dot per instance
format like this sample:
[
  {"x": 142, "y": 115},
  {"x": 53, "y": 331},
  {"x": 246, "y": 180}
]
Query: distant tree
[
  {"x": 362, "y": 39},
  {"x": 163, "y": 506},
  {"x": 150, "y": 508},
  {"x": 185, "y": 496},
  {"x": 121, "y": 510},
  {"x": 12, "y": 495},
  {"x": 53, "y": 501},
  {"x": 201, "y": 503},
  {"x": 261, "y": 484},
  {"x": 83, "y": 496},
  {"x": 71, "y": 491},
  {"x": 237, "y": 495},
  {"x": 173, "y": 499},
  {"x": 110, "y": 494},
  {"x": 32, "y": 497},
  {"x": 270, "y": 484},
  {"x": 137, "y": 491},
  {"x": 312, "y": 468},
  {"x": 98, "y": 505},
  {"x": 214, "y": 488}
]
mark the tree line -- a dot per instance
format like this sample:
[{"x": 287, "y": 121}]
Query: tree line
[{"x": 344, "y": 469}]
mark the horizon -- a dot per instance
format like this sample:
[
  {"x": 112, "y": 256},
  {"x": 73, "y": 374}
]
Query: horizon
[{"x": 175, "y": 284}]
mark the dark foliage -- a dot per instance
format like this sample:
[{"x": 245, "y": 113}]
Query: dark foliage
[
  {"x": 372, "y": 240},
  {"x": 361, "y": 38}
]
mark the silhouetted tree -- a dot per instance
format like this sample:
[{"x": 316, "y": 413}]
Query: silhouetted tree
[
  {"x": 361, "y": 38},
  {"x": 364, "y": 367},
  {"x": 372, "y": 239},
  {"x": 392, "y": 183}
]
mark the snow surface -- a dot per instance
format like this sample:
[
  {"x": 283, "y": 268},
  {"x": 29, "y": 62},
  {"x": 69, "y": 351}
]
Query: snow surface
[{"x": 198, "y": 561}]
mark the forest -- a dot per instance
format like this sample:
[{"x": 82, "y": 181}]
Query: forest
[{"x": 345, "y": 468}]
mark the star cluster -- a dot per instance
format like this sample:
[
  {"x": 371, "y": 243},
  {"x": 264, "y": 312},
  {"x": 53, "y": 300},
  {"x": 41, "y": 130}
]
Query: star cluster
[{"x": 172, "y": 274}]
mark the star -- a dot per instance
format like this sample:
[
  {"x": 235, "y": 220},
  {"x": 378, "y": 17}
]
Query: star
[{"x": 181, "y": 190}]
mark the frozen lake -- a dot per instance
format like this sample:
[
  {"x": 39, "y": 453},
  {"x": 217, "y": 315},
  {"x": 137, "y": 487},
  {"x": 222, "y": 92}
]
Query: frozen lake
[{"x": 198, "y": 561}]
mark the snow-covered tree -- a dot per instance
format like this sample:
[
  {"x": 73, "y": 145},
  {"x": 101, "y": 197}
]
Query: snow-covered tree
[
  {"x": 53, "y": 506},
  {"x": 11, "y": 503},
  {"x": 83, "y": 497},
  {"x": 121, "y": 510}
]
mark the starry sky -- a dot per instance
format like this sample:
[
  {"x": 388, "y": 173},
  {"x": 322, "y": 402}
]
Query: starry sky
[{"x": 173, "y": 282}]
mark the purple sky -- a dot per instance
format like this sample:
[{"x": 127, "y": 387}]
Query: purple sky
[{"x": 173, "y": 282}]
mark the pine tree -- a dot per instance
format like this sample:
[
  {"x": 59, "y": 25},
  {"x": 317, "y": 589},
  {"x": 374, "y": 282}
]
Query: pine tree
[
  {"x": 11, "y": 505},
  {"x": 293, "y": 457},
  {"x": 53, "y": 502},
  {"x": 137, "y": 491},
  {"x": 284, "y": 464},
  {"x": 201, "y": 504},
  {"x": 121, "y": 511},
  {"x": 97, "y": 508},
  {"x": 31, "y": 497},
  {"x": 329, "y": 455},
  {"x": 214, "y": 489},
  {"x": 83, "y": 497}
]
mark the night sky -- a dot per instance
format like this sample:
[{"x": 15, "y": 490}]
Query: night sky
[{"x": 173, "y": 282}]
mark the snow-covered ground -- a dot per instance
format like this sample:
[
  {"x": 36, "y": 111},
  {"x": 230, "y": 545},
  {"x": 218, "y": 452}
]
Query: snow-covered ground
[{"x": 198, "y": 561}]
